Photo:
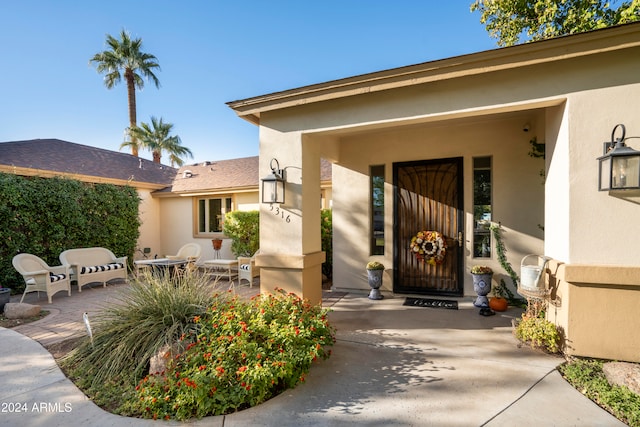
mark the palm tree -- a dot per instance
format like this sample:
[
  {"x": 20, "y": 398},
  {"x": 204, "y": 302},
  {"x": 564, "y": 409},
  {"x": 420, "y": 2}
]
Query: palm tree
[
  {"x": 124, "y": 57},
  {"x": 156, "y": 138}
]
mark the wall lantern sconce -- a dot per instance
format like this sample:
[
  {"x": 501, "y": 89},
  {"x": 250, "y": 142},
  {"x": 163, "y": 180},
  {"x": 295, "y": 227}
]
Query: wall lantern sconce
[
  {"x": 273, "y": 184},
  {"x": 619, "y": 166}
]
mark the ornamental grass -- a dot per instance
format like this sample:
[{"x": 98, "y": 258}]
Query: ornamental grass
[
  {"x": 156, "y": 310},
  {"x": 243, "y": 353}
]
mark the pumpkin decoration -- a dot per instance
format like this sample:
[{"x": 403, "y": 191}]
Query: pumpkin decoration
[{"x": 498, "y": 304}]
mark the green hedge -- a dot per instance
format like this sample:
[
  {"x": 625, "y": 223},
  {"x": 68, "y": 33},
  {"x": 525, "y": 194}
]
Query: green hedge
[
  {"x": 45, "y": 216},
  {"x": 243, "y": 228},
  {"x": 326, "y": 231}
]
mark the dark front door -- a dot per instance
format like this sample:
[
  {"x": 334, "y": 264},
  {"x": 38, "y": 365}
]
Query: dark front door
[{"x": 428, "y": 197}]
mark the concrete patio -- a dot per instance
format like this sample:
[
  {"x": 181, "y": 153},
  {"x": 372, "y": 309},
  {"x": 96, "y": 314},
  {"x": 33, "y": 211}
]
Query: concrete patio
[{"x": 391, "y": 365}]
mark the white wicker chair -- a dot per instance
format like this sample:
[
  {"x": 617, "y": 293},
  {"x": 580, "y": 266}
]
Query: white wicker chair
[
  {"x": 247, "y": 269},
  {"x": 39, "y": 276},
  {"x": 190, "y": 252}
]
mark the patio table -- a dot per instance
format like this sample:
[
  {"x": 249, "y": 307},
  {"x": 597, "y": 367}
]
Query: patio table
[
  {"x": 162, "y": 264},
  {"x": 226, "y": 268}
]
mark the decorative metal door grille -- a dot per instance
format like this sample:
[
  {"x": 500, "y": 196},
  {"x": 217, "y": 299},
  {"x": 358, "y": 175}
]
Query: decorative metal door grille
[{"x": 428, "y": 196}]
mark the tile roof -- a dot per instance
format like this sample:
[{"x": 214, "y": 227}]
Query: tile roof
[
  {"x": 225, "y": 175},
  {"x": 68, "y": 158}
]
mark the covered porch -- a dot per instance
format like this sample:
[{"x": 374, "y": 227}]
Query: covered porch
[{"x": 481, "y": 110}]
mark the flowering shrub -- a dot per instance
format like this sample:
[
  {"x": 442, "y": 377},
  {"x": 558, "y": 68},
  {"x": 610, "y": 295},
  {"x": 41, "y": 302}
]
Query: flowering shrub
[
  {"x": 429, "y": 247},
  {"x": 244, "y": 354}
]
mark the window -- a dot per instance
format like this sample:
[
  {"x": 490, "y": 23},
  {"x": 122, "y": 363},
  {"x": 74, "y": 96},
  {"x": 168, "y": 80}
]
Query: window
[
  {"x": 377, "y": 209},
  {"x": 481, "y": 207},
  {"x": 211, "y": 214}
]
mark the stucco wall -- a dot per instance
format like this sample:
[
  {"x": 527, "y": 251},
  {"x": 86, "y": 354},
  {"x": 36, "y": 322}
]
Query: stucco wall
[
  {"x": 149, "y": 213},
  {"x": 176, "y": 222},
  {"x": 247, "y": 201},
  {"x": 593, "y": 306},
  {"x": 602, "y": 227}
]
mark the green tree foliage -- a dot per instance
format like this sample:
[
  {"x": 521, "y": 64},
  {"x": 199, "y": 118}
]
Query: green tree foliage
[
  {"x": 157, "y": 139},
  {"x": 124, "y": 58},
  {"x": 515, "y": 21},
  {"x": 326, "y": 231},
  {"x": 47, "y": 216},
  {"x": 243, "y": 228}
]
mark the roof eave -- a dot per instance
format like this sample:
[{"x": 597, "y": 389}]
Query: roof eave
[
  {"x": 208, "y": 192},
  {"x": 43, "y": 173},
  {"x": 513, "y": 57}
]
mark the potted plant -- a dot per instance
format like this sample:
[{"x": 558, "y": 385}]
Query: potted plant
[
  {"x": 482, "y": 276},
  {"x": 374, "y": 274},
  {"x": 217, "y": 244},
  {"x": 5, "y": 294},
  {"x": 499, "y": 301}
]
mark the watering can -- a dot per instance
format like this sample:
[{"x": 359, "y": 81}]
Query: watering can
[{"x": 531, "y": 273}]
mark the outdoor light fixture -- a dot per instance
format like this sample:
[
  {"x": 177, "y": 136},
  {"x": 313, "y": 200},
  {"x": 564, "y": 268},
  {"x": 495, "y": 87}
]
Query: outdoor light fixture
[
  {"x": 273, "y": 184},
  {"x": 619, "y": 166}
]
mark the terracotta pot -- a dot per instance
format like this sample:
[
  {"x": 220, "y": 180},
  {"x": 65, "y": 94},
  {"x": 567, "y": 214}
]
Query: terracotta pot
[
  {"x": 217, "y": 244},
  {"x": 498, "y": 304}
]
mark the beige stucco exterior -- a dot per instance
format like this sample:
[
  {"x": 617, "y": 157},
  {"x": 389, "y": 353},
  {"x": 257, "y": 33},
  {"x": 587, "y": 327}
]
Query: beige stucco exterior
[
  {"x": 596, "y": 307},
  {"x": 572, "y": 91},
  {"x": 176, "y": 216},
  {"x": 176, "y": 224},
  {"x": 149, "y": 212}
]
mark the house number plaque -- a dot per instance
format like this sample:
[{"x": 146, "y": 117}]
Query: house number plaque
[{"x": 279, "y": 212}]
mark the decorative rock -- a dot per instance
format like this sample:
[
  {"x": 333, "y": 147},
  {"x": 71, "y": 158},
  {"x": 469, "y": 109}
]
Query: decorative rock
[
  {"x": 623, "y": 374},
  {"x": 158, "y": 363},
  {"x": 16, "y": 310}
]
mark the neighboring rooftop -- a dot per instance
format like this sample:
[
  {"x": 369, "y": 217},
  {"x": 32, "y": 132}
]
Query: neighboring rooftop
[
  {"x": 225, "y": 175},
  {"x": 54, "y": 157}
]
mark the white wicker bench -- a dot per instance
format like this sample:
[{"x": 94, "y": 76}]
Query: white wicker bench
[{"x": 89, "y": 265}]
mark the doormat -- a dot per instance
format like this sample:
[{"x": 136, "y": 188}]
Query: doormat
[{"x": 433, "y": 303}]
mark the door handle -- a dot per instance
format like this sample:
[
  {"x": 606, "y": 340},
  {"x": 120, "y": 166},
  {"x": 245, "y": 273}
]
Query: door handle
[{"x": 459, "y": 238}]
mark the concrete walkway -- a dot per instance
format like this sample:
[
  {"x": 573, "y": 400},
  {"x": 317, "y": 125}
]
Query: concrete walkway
[{"x": 391, "y": 365}]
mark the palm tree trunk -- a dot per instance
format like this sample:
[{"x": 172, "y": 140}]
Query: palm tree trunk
[
  {"x": 131, "y": 98},
  {"x": 156, "y": 156}
]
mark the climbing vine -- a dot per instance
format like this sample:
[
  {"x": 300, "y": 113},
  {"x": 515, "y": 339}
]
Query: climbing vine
[
  {"x": 537, "y": 151},
  {"x": 502, "y": 290}
]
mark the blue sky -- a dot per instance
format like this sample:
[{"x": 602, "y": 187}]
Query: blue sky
[{"x": 210, "y": 52}]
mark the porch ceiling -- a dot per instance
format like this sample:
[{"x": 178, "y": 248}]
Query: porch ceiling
[{"x": 453, "y": 118}]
